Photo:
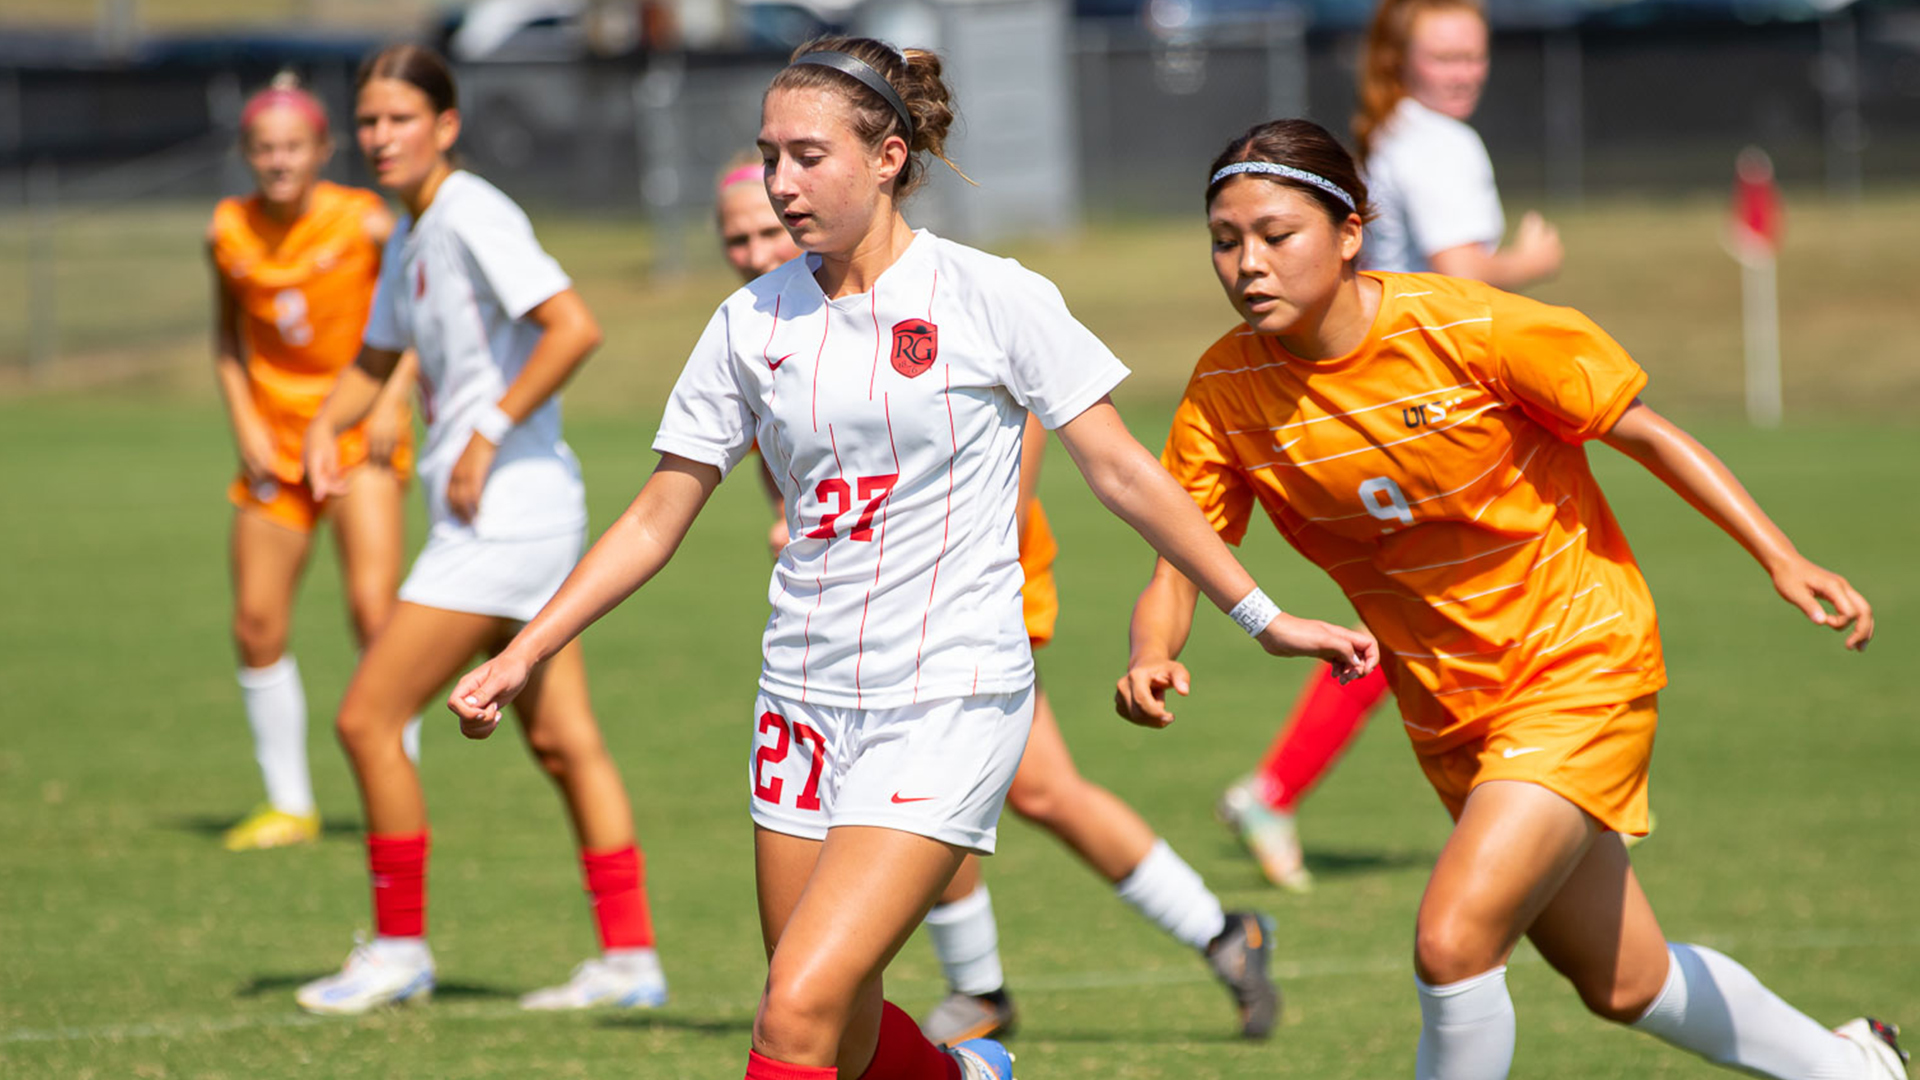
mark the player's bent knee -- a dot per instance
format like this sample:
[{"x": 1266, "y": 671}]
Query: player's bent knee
[
  {"x": 260, "y": 636},
  {"x": 1447, "y": 950},
  {"x": 799, "y": 1016},
  {"x": 559, "y": 752},
  {"x": 1044, "y": 802}
]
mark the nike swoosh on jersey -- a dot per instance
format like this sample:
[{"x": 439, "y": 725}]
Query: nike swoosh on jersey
[
  {"x": 921, "y": 798},
  {"x": 1516, "y": 751},
  {"x": 774, "y": 365}
]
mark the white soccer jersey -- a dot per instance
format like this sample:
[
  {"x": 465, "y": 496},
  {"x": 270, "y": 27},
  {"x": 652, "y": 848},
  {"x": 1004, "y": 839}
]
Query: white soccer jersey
[
  {"x": 455, "y": 287},
  {"x": 1431, "y": 185},
  {"x": 892, "y": 421}
]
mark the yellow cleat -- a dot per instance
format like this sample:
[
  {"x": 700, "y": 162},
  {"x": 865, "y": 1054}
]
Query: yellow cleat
[{"x": 270, "y": 828}]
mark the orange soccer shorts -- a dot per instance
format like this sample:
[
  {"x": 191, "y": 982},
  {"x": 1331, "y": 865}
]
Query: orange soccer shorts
[
  {"x": 289, "y": 505},
  {"x": 1595, "y": 758}
]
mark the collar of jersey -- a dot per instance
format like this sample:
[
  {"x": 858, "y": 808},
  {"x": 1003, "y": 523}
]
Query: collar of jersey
[
  {"x": 922, "y": 239},
  {"x": 1358, "y": 353}
]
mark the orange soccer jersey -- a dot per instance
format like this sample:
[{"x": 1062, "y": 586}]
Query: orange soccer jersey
[
  {"x": 1436, "y": 473},
  {"x": 303, "y": 291},
  {"x": 1040, "y": 596}
]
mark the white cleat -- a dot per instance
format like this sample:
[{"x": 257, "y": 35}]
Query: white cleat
[
  {"x": 375, "y": 975},
  {"x": 623, "y": 983},
  {"x": 1878, "y": 1040}
]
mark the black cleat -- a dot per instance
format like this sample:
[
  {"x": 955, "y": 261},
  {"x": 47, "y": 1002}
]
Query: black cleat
[{"x": 1239, "y": 957}]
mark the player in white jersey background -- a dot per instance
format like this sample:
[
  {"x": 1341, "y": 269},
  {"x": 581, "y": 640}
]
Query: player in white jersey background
[
  {"x": 1048, "y": 788},
  {"x": 497, "y": 328},
  {"x": 886, "y": 378}
]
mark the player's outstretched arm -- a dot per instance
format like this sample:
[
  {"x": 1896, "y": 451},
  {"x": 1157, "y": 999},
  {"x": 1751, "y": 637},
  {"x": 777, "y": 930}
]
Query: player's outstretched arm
[
  {"x": 1131, "y": 483},
  {"x": 1689, "y": 468},
  {"x": 625, "y": 557}
]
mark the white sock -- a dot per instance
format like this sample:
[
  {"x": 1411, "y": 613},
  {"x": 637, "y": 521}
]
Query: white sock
[
  {"x": 1466, "y": 1029},
  {"x": 277, "y": 711},
  {"x": 634, "y": 961},
  {"x": 410, "y": 740},
  {"x": 409, "y": 950},
  {"x": 967, "y": 941},
  {"x": 1717, "y": 1009},
  {"x": 1170, "y": 894}
]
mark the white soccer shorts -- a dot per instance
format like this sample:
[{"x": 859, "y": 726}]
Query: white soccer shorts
[
  {"x": 508, "y": 579},
  {"x": 939, "y": 769}
]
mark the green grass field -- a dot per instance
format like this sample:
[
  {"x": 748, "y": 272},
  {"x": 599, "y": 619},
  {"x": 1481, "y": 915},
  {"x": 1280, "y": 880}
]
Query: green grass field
[{"x": 134, "y": 947}]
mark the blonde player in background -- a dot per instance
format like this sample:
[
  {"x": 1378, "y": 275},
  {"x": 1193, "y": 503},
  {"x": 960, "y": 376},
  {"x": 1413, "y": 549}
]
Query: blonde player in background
[
  {"x": 498, "y": 329},
  {"x": 294, "y": 269},
  {"x": 1422, "y": 439},
  {"x": 1048, "y": 789},
  {"x": 887, "y": 378},
  {"x": 1436, "y": 208}
]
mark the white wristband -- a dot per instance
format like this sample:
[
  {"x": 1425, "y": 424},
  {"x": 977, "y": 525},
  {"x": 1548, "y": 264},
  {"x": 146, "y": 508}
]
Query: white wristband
[
  {"x": 493, "y": 424},
  {"x": 1254, "y": 612}
]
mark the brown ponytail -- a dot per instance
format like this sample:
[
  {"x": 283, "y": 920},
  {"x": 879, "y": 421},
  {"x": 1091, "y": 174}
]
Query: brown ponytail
[
  {"x": 914, "y": 74},
  {"x": 1383, "y": 61}
]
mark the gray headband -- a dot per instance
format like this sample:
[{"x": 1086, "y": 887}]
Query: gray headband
[
  {"x": 1285, "y": 172},
  {"x": 856, "y": 68}
]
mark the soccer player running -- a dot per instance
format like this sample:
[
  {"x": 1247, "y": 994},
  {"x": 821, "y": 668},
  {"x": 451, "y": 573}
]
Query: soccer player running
[
  {"x": 294, "y": 269},
  {"x": 1421, "y": 438},
  {"x": 897, "y": 686},
  {"x": 498, "y": 329},
  {"x": 1435, "y": 207},
  {"x": 1047, "y": 789}
]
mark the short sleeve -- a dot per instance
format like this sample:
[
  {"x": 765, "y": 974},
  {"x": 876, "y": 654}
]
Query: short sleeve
[
  {"x": 385, "y": 328},
  {"x": 708, "y": 418},
  {"x": 1057, "y": 368},
  {"x": 500, "y": 241},
  {"x": 1562, "y": 370},
  {"x": 1449, "y": 193},
  {"x": 1200, "y": 459}
]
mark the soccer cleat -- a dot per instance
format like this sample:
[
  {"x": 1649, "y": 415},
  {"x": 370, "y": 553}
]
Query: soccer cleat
[
  {"x": 1268, "y": 834},
  {"x": 604, "y": 982},
  {"x": 1881, "y": 1043},
  {"x": 982, "y": 1059},
  {"x": 1239, "y": 957},
  {"x": 266, "y": 827},
  {"x": 374, "y": 976},
  {"x": 960, "y": 1017}
]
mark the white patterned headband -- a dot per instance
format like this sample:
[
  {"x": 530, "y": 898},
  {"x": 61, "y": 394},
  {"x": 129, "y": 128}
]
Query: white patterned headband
[{"x": 1285, "y": 172}]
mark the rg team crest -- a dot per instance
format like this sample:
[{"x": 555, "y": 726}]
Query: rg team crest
[{"x": 916, "y": 343}]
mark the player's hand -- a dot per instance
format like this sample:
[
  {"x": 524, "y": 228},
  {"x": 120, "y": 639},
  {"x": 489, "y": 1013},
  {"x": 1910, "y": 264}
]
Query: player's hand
[
  {"x": 322, "y": 461},
  {"x": 256, "y": 451},
  {"x": 777, "y": 538},
  {"x": 1804, "y": 585},
  {"x": 1353, "y": 653},
  {"x": 478, "y": 698},
  {"x": 385, "y": 428},
  {"x": 1537, "y": 245},
  {"x": 469, "y": 478},
  {"x": 1141, "y": 695}
]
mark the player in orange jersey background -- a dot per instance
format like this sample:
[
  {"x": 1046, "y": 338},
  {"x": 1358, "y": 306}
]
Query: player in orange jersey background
[
  {"x": 294, "y": 270},
  {"x": 1048, "y": 788},
  {"x": 1421, "y": 439}
]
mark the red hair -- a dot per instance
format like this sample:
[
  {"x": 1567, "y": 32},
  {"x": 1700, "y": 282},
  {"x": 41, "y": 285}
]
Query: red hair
[
  {"x": 1383, "y": 61},
  {"x": 285, "y": 92}
]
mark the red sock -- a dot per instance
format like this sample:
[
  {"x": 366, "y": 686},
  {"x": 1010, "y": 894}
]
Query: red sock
[
  {"x": 398, "y": 865},
  {"x": 760, "y": 1067},
  {"x": 619, "y": 896},
  {"x": 904, "y": 1053},
  {"x": 1325, "y": 719}
]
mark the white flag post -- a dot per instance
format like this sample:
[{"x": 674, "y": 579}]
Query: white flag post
[{"x": 1754, "y": 242}]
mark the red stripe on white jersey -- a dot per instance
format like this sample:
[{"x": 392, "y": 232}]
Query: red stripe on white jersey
[
  {"x": 826, "y": 320},
  {"x": 946, "y": 528},
  {"x": 873, "y": 306},
  {"x": 886, "y": 405}
]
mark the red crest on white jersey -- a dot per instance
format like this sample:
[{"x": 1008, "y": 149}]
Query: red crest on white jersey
[{"x": 916, "y": 344}]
